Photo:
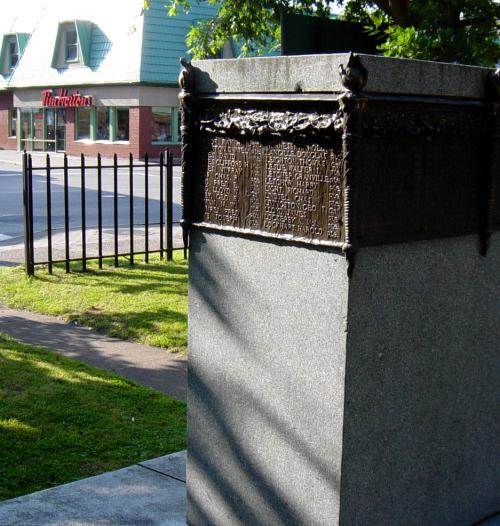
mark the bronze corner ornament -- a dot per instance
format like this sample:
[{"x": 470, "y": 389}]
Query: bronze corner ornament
[
  {"x": 186, "y": 76},
  {"x": 188, "y": 108},
  {"x": 493, "y": 85},
  {"x": 354, "y": 76}
]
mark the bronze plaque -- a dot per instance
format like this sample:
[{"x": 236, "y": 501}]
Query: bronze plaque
[
  {"x": 418, "y": 174},
  {"x": 284, "y": 188},
  {"x": 374, "y": 173}
]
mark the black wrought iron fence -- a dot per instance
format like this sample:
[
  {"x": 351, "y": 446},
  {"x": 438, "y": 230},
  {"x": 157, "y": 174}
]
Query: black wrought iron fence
[{"x": 152, "y": 214}]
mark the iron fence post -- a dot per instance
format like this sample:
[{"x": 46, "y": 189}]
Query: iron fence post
[
  {"x": 30, "y": 217},
  {"x": 131, "y": 206},
  {"x": 146, "y": 208},
  {"x": 115, "y": 205},
  {"x": 169, "y": 176},
  {"x": 99, "y": 209},
  {"x": 84, "y": 225},
  {"x": 27, "y": 232},
  {"x": 162, "y": 203},
  {"x": 66, "y": 212},
  {"x": 49, "y": 214}
]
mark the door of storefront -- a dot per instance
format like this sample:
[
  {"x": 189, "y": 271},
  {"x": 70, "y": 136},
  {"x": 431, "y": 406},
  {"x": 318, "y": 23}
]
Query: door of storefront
[
  {"x": 55, "y": 129},
  {"x": 43, "y": 129},
  {"x": 25, "y": 129},
  {"x": 61, "y": 130},
  {"x": 38, "y": 141}
]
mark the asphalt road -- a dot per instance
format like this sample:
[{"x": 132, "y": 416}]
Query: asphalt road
[{"x": 11, "y": 206}]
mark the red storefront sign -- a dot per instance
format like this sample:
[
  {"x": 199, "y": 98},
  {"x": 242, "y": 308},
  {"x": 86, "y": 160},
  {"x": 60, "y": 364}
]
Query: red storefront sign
[{"x": 63, "y": 100}]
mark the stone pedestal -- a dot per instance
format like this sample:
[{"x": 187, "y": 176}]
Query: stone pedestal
[{"x": 344, "y": 287}]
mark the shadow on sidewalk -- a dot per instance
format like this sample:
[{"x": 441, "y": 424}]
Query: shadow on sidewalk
[{"x": 145, "y": 365}]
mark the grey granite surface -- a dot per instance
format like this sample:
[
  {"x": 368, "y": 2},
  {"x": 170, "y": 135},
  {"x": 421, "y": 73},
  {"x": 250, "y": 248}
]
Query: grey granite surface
[
  {"x": 265, "y": 382},
  {"x": 421, "y": 420},
  {"x": 319, "y": 74},
  {"x": 272, "y": 439}
]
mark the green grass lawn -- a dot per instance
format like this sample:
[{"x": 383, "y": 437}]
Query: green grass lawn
[
  {"x": 62, "y": 420},
  {"x": 145, "y": 303}
]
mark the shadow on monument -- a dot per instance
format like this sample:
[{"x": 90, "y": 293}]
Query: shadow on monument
[
  {"x": 272, "y": 496},
  {"x": 245, "y": 482}
]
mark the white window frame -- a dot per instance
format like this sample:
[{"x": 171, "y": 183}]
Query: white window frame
[
  {"x": 13, "y": 40},
  {"x": 92, "y": 125},
  {"x": 109, "y": 111},
  {"x": 113, "y": 125},
  {"x": 68, "y": 30}
]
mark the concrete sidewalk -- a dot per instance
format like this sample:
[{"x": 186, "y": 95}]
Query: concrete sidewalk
[
  {"x": 151, "y": 493},
  {"x": 145, "y": 365}
]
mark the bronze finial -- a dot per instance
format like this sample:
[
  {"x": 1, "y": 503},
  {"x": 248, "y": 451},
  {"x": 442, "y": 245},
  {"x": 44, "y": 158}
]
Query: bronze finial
[
  {"x": 186, "y": 76},
  {"x": 188, "y": 108},
  {"x": 355, "y": 75},
  {"x": 493, "y": 84}
]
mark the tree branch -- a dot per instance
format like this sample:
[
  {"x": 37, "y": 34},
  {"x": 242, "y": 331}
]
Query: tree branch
[
  {"x": 384, "y": 6},
  {"x": 399, "y": 10},
  {"x": 396, "y": 9}
]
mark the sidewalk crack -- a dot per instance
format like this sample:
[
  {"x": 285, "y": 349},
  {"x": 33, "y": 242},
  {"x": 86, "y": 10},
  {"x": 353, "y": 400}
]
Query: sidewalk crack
[{"x": 161, "y": 473}]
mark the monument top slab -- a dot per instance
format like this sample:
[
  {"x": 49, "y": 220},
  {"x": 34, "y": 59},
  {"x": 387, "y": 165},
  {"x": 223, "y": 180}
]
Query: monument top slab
[{"x": 319, "y": 74}]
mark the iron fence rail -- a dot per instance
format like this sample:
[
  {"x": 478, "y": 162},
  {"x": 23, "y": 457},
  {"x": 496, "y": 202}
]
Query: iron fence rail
[{"x": 164, "y": 167}]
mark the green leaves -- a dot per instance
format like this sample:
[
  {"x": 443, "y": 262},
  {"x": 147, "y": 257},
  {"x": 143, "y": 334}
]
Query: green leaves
[
  {"x": 253, "y": 25},
  {"x": 465, "y": 31},
  {"x": 455, "y": 31}
]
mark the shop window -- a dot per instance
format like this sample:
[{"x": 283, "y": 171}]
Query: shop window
[
  {"x": 83, "y": 124},
  {"x": 71, "y": 53},
  {"x": 13, "y": 122},
  {"x": 122, "y": 124},
  {"x": 163, "y": 125},
  {"x": 102, "y": 124}
]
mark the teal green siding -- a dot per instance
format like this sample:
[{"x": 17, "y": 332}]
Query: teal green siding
[
  {"x": 55, "y": 51},
  {"x": 100, "y": 47},
  {"x": 84, "y": 31},
  {"x": 22, "y": 40},
  {"x": 164, "y": 40},
  {"x": 3, "y": 51}
]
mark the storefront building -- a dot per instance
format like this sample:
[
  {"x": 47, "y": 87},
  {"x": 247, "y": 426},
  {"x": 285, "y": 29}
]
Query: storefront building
[
  {"x": 110, "y": 119},
  {"x": 88, "y": 80}
]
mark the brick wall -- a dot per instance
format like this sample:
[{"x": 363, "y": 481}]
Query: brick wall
[{"x": 6, "y": 103}]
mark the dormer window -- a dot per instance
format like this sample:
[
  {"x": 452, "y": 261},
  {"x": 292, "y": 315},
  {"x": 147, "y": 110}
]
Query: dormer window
[
  {"x": 13, "y": 52},
  {"x": 13, "y": 45},
  {"x": 72, "y": 45},
  {"x": 71, "y": 53}
]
